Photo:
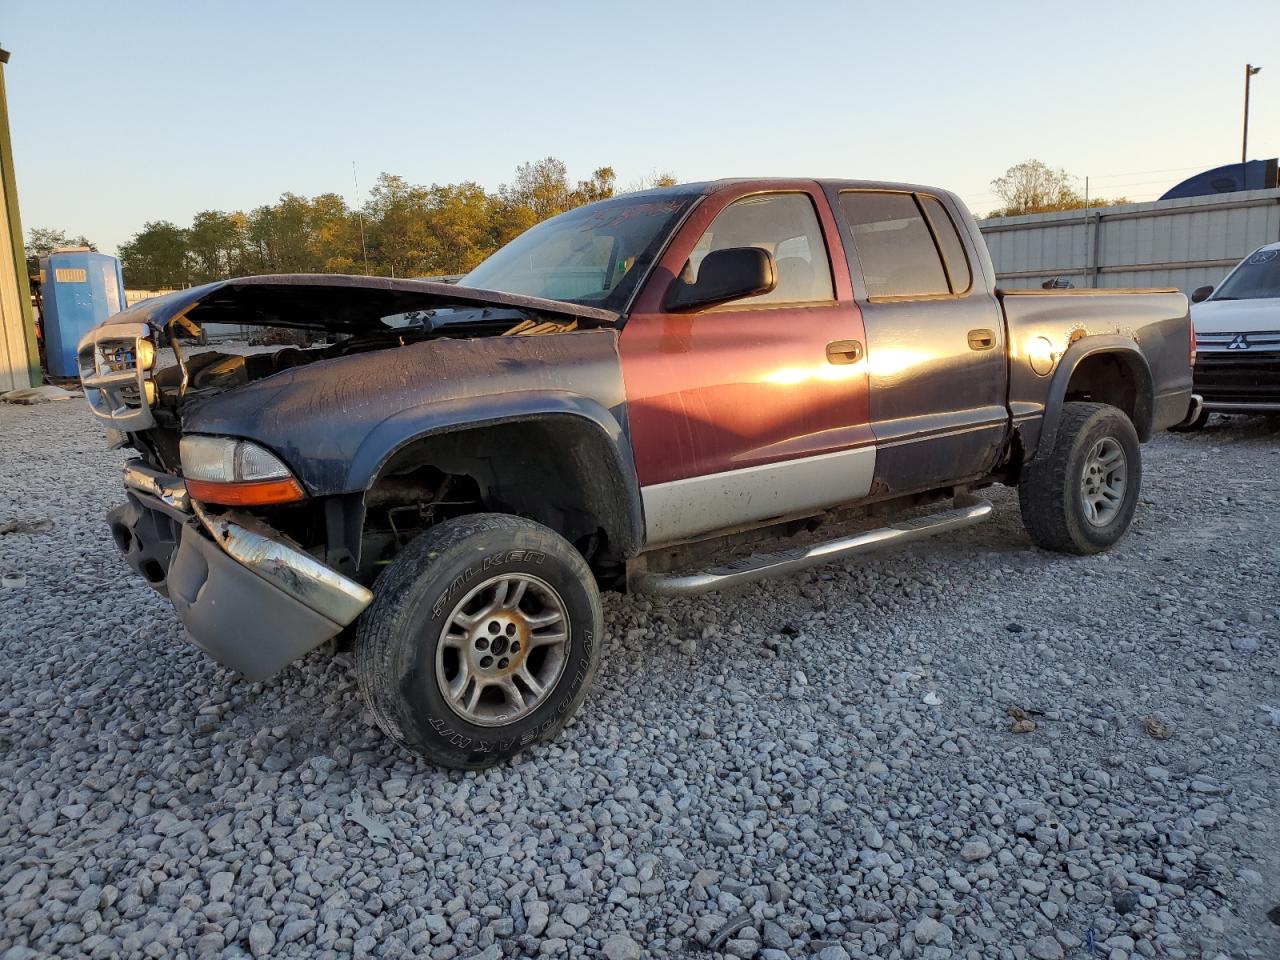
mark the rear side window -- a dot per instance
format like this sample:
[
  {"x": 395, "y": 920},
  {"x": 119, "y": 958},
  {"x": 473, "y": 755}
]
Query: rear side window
[
  {"x": 784, "y": 224},
  {"x": 894, "y": 245},
  {"x": 944, "y": 228}
]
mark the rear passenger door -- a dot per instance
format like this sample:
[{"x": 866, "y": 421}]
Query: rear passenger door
[{"x": 935, "y": 339}]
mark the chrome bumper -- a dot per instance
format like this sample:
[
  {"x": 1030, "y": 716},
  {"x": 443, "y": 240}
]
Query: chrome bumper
[
  {"x": 291, "y": 571},
  {"x": 1193, "y": 411},
  {"x": 1223, "y": 407}
]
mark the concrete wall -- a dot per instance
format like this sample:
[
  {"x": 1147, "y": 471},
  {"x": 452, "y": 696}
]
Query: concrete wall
[{"x": 1165, "y": 243}]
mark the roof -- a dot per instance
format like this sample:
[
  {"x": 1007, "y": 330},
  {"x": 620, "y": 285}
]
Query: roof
[{"x": 706, "y": 187}]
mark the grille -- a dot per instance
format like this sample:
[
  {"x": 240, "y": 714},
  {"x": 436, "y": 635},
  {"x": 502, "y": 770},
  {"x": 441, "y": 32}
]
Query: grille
[
  {"x": 1237, "y": 342},
  {"x": 1239, "y": 376},
  {"x": 114, "y": 383}
]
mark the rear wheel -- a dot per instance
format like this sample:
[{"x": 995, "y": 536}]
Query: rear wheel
[
  {"x": 483, "y": 637},
  {"x": 1080, "y": 497}
]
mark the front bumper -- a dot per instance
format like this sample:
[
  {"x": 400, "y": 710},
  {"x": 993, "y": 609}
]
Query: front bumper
[
  {"x": 250, "y": 600},
  {"x": 1239, "y": 381}
]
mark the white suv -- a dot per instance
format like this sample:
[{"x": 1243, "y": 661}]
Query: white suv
[{"x": 1237, "y": 328}]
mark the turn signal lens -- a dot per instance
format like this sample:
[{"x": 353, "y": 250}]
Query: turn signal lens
[
  {"x": 236, "y": 473},
  {"x": 254, "y": 494}
]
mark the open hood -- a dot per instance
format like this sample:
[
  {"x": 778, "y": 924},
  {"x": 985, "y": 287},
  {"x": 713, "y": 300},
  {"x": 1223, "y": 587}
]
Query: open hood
[{"x": 333, "y": 302}]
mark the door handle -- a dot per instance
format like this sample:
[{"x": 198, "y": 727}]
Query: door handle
[
  {"x": 982, "y": 339},
  {"x": 844, "y": 351}
]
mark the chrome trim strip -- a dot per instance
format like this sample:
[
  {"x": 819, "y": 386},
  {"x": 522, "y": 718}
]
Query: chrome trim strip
[
  {"x": 165, "y": 487},
  {"x": 760, "y": 566},
  {"x": 103, "y": 382},
  {"x": 680, "y": 509},
  {"x": 298, "y": 574},
  {"x": 1220, "y": 407}
]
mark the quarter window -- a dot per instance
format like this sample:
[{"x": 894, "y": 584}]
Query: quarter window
[
  {"x": 944, "y": 228},
  {"x": 783, "y": 224},
  {"x": 894, "y": 245}
]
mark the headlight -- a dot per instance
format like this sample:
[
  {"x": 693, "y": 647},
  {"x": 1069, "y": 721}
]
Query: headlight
[
  {"x": 146, "y": 354},
  {"x": 235, "y": 472}
]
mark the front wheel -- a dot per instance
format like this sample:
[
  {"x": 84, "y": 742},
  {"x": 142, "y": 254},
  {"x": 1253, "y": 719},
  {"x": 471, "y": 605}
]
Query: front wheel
[
  {"x": 483, "y": 637},
  {"x": 1080, "y": 497}
]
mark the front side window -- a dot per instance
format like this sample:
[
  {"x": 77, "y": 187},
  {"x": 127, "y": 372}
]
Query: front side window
[
  {"x": 594, "y": 255},
  {"x": 1257, "y": 278},
  {"x": 785, "y": 225},
  {"x": 894, "y": 245}
]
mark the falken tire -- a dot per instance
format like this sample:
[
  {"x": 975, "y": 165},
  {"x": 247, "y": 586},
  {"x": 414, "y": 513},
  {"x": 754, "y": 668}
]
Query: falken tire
[
  {"x": 402, "y": 652},
  {"x": 1054, "y": 509}
]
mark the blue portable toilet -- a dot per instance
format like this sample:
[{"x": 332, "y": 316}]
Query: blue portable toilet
[{"x": 78, "y": 290}]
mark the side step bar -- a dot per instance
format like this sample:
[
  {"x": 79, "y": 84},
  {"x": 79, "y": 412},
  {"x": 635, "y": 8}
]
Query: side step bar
[{"x": 761, "y": 565}]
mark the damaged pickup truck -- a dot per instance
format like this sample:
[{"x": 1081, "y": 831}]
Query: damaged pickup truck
[{"x": 672, "y": 391}]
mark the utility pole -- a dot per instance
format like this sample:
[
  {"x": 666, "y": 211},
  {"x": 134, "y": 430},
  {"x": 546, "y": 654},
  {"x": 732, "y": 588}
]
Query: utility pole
[
  {"x": 355, "y": 177},
  {"x": 1249, "y": 71}
]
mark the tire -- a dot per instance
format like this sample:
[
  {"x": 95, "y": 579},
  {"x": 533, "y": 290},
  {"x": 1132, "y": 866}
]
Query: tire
[
  {"x": 408, "y": 663},
  {"x": 1192, "y": 426},
  {"x": 1055, "y": 490}
]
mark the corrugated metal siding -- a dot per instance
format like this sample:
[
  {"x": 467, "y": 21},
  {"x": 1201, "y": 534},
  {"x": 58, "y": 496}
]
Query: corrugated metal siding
[
  {"x": 14, "y": 362},
  {"x": 1168, "y": 243}
]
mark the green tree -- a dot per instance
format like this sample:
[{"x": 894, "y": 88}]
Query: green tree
[
  {"x": 542, "y": 186},
  {"x": 218, "y": 245},
  {"x": 42, "y": 241},
  {"x": 396, "y": 227},
  {"x": 156, "y": 256},
  {"x": 335, "y": 235},
  {"x": 1034, "y": 187},
  {"x": 599, "y": 187},
  {"x": 658, "y": 178}
]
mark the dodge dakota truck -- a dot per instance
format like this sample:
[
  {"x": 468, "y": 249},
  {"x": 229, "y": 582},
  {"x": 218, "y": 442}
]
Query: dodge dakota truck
[{"x": 671, "y": 391}]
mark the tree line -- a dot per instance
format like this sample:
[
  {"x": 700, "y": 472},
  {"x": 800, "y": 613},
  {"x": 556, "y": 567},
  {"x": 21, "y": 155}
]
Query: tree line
[
  {"x": 402, "y": 229},
  {"x": 407, "y": 230}
]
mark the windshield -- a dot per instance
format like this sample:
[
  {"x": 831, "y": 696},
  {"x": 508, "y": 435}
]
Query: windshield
[
  {"x": 594, "y": 255},
  {"x": 1257, "y": 278}
]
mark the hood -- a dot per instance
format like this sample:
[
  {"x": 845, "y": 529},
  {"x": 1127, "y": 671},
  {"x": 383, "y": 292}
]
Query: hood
[
  {"x": 1236, "y": 316},
  {"x": 333, "y": 302}
]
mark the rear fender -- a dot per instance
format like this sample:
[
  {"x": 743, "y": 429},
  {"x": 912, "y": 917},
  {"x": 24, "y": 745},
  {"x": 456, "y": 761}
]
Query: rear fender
[{"x": 1127, "y": 352}]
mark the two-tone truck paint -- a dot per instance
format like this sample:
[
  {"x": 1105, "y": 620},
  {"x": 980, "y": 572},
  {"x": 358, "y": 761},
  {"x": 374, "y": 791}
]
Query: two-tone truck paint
[{"x": 676, "y": 390}]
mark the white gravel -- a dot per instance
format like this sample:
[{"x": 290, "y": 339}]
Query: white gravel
[{"x": 758, "y": 774}]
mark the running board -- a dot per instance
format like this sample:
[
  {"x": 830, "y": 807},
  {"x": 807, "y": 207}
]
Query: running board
[{"x": 761, "y": 565}]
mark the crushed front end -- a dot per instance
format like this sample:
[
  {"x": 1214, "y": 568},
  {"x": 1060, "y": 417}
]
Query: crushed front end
[{"x": 248, "y": 597}]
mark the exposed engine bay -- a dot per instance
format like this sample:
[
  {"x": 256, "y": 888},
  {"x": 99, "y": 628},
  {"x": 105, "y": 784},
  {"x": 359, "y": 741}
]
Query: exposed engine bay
[{"x": 256, "y": 352}]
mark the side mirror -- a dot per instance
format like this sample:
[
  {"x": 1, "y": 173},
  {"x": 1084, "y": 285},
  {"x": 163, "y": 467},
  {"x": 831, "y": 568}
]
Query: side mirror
[
  {"x": 725, "y": 275},
  {"x": 1200, "y": 294}
]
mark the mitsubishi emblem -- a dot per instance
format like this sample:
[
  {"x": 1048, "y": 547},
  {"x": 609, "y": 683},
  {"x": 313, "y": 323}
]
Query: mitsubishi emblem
[{"x": 1241, "y": 342}]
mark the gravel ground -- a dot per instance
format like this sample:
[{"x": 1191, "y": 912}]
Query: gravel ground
[{"x": 820, "y": 766}]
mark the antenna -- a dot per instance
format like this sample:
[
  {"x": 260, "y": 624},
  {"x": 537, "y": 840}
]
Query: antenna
[{"x": 364, "y": 251}]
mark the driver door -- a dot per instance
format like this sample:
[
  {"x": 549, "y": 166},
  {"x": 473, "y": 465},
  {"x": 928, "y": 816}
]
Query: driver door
[{"x": 757, "y": 408}]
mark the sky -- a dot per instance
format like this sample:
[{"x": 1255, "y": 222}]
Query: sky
[{"x": 133, "y": 111}]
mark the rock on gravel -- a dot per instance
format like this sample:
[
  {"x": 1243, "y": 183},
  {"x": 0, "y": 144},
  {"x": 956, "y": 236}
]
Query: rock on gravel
[{"x": 761, "y": 762}]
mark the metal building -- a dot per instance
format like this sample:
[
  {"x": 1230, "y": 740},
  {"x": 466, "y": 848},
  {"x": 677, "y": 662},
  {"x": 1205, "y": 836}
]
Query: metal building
[
  {"x": 19, "y": 359},
  {"x": 1166, "y": 243}
]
